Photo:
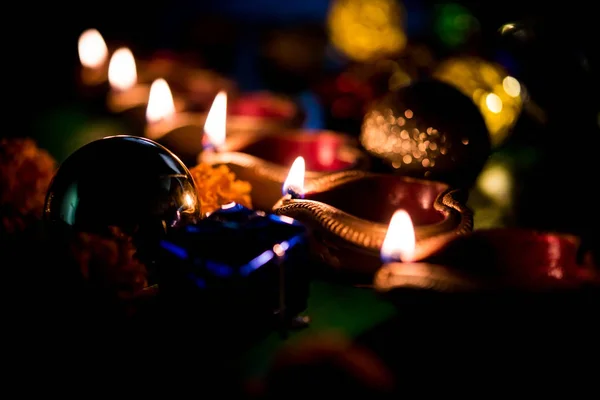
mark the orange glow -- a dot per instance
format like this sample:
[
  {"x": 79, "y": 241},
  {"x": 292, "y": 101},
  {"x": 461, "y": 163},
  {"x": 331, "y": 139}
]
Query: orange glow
[
  {"x": 295, "y": 180},
  {"x": 400, "y": 242},
  {"x": 216, "y": 121},
  {"x": 160, "y": 102},
  {"x": 92, "y": 49},
  {"x": 122, "y": 74}
]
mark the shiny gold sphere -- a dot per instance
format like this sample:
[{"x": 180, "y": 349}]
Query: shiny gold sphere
[
  {"x": 428, "y": 130},
  {"x": 498, "y": 95}
]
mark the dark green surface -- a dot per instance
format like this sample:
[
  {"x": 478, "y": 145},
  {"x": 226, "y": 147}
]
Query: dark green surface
[
  {"x": 64, "y": 130},
  {"x": 331, "y": 307}
]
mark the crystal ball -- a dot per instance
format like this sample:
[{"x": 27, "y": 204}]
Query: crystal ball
[
  {"x": 124, "y": 182},
  {"x": 427, "y": 130}
]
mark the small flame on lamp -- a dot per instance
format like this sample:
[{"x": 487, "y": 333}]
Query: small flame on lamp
[
  {"x": 122, "y": 73},
  {"x": 216, "y": 121},
  {"x": 92, "y": 49},
  {"x": 189, "y": 200},
  {"x": 160, "y": 102},
  {"x": 399, "y": 243},
  {"x": 294, "y": 183}
]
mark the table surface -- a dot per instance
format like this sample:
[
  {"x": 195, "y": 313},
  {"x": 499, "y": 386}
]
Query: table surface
[{"x": 352, "y": 311}]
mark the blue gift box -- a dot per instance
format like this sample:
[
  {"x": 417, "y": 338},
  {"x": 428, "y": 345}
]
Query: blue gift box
[{"x": 237, "y": 264}]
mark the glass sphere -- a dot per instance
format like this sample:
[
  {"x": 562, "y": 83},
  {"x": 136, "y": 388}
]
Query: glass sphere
[
  {"x": 427, "y": 130},
  {"x": 124, "y": 182}
]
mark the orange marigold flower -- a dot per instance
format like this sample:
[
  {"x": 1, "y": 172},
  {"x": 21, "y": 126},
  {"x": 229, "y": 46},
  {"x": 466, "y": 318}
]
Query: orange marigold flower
[
  {"x": 25, "y": 174},
  {"x": 217, "y": 185}
]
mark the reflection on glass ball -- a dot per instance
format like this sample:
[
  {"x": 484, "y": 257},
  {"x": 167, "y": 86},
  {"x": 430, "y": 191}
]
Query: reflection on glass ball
[
  {"x": 367, "y": 29},
  {"x": 498, "y": 95},
  {"x": 127, "y": 182},
  {"x": 427, "y": 130}
]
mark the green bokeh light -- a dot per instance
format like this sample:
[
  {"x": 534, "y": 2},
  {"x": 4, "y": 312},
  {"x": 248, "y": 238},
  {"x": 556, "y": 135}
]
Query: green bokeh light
[{"x": 454, "y": 23}]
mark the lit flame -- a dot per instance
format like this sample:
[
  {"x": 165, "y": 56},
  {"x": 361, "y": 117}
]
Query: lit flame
[
  {"x": 294, "y": 183},
  {"x": 189, "y": 200},
  {"x": 160, "y": 102},
  {"x": 399, "y": 243},
  {"x": 122, "y": 73},
  {"x": 92, "y": 49},
  {"x": 216, "y": 121}
]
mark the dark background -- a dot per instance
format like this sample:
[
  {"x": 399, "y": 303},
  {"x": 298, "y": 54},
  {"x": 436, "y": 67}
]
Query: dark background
[
  {"x": 43, "y": 38},
  {"x": 556, "y": 58}
]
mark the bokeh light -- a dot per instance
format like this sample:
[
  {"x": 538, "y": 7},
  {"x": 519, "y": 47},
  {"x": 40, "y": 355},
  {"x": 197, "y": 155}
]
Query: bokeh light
[
  {"x": 454, "y": 24},
  {"x": 496, "y": 182},
  {"x": 365, "y": 30},
  {"x": 494, "y": 194},
  {"x": 498, "y": 95}
]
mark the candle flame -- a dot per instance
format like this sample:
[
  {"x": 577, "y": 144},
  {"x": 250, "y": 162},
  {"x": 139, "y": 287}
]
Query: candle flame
[
  {"x": 399, "y": 243},
  {"x": 160, "y": 102},
  {"x": 216, "y": 121},
  {"x": 92, "y": 49},
  {"x": 122, "y": 73},
  {"x": 294, "y": 183}
]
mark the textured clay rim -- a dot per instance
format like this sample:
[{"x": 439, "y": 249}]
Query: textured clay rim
[
  {"x": 278, "y": 173},
  {"x": 368, "y": 234}
]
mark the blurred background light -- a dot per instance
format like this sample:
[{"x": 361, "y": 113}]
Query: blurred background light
[
  {"x": 498, "y": 95},
  {"x": 365, "y": 30},
  {"x": 454, "y": 24}
]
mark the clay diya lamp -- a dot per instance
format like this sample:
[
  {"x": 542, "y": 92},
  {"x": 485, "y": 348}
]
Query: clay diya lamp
[
  {"x": 349, "y": 213},
  {"x": 179, "y": 131},
  {"x": 246, "y": 112},
  {"x": 92, "y": 77},
  {"x": 258, "y": 113},
  {"x": 129, "y": 96},
  {"x": 264, "y": 158},
  {"x": 498, "y": 261},
  {"x": 197, "y": 85},
  {"x": 513, "y": 285}
]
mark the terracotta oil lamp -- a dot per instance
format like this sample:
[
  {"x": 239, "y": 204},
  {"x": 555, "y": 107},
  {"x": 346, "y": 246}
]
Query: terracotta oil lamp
[
  {"x": 349, "y": 214},
  {"x": 495, "y": 261},
  {"x": 263, "y": 158}
]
